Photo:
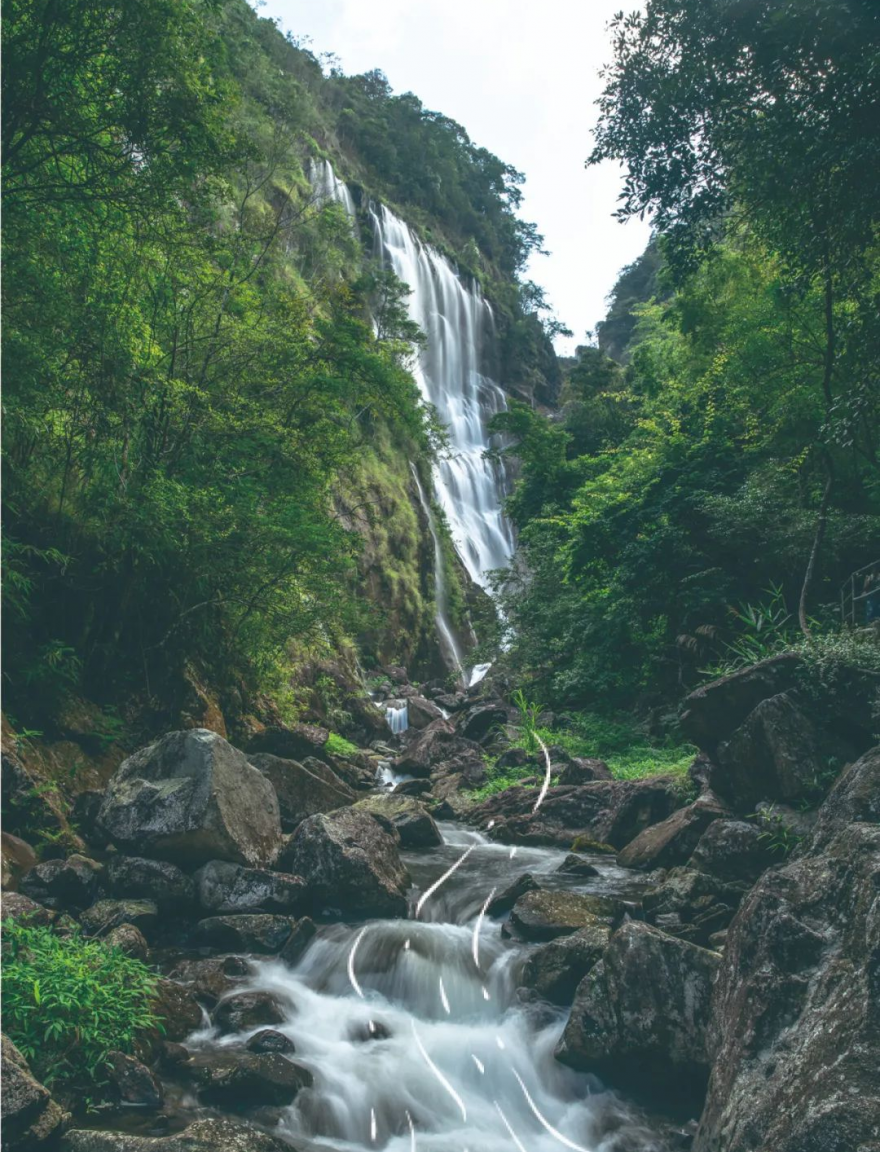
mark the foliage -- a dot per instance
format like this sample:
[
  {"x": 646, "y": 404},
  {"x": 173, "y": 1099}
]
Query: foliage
[
  {"x": 528, "y": 721},
  {"x": 338, "y": 746},
  {"x": 69, "y": 1002}
]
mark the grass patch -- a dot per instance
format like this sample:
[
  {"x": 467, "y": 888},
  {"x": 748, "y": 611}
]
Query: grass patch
[{"x": 338, "y": 746}]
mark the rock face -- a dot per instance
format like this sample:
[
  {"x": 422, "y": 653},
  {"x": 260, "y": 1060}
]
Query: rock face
[
  {"x": 641, "y": 1014},
  {"x": 796, "y": 1010},
  {"x": 223, "y": 888},
  {"x": 404, "y": 815},
  {"x": 671, "y": 841},
  {"x": 202, "y": 1136},
  {"x": 349, "y": 861},
  {"x": 190, "y": 798},
  {"x": 554, "y": 970},
  {"x": 302, "y": 791},
  {"x": 31, "y": 1118},
  {"x": 544, "y": 915}
]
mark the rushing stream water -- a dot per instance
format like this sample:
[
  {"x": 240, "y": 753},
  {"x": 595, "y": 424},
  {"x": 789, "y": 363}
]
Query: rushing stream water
[{"x": 415, "y": 1036}]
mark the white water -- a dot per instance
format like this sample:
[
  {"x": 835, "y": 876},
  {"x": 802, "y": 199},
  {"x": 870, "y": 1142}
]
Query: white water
[
  {"x": 400, "y": 1025},
  {"x": 448, "y": 644},
  {"x": 458, "y": 323},
  {"x": 397, "y": 715},
  {"x": 328, "y": 187}
]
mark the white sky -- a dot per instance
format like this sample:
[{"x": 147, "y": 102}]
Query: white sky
[{"x": 522, "y": 78}]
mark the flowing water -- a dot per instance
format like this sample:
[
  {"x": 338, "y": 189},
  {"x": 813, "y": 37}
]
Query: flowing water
[{"x": 414, "y": 1033}]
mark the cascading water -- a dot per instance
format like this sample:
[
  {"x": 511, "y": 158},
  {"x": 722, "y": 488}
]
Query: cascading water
[
  {"x": 448, "y": 643},
  {"x": 397, "y": 715},
  {"x": 328, "y": 187},
  {"x": 414, "y": 1034}
]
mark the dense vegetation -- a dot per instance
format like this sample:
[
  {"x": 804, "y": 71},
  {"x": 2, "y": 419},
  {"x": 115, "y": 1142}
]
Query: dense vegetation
[
  {"x": 193, "y": 385},
  {"x": 706, "y": 491}
]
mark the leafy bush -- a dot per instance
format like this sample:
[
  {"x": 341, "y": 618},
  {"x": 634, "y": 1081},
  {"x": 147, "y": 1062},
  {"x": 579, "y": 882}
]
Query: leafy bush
[
  {"x": 528, "y": 719},
  {"x": 67, "y": 1003},
  {"x": 338, "y": 746}
]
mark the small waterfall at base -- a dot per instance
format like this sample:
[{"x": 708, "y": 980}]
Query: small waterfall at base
[
  {"x": 397, "y": 715},
  {"x": 448, "y": 644}
]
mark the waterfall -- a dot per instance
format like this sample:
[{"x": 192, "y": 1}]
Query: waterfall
[
  {"x": 397, "y": 715},
  {"x": 448, "y": 644},
  {"x": 328, "y": 187},
  {"x": 450, "y": 372}
]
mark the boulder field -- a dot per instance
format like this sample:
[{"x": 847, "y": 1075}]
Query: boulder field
[{"x": 737, "y": 988}]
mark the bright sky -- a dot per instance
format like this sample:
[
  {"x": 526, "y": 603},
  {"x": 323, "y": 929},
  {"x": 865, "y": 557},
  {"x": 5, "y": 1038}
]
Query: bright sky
[{"x": 522, "y": 78}]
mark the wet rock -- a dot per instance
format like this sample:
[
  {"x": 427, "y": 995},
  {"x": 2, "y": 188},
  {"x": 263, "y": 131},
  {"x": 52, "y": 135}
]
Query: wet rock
[
  {"x": 350, "y": 862},
  {"x": 544, "y": 914},
  {"x": 130, "y": 940},
  {"x": 245, "y": 1010},
  {"x": 437, "y": 743},
  {"x": 451, "y": 701},
  {"x": 370, "y": 1030},
  {"x": 693, "y": 905},
  {"x": 177, "y": 1009},
  {"x": 16, "y": 906},
  {"x": 31, "y": 1118},
  {"x": 732, "y": 850},
  {"x": 673, "y": 840},
  {"x": 554, "y": 970},
  {"x": 134, "y": 1084},
  {"x": 211, "y": 980},
  {"x": 713, "y": 711},
  {"x": 190, "y": 798},
  {"x": 106, "y": 915},
  {"x": 508, "y": 896},
  {"x": 245, "y": 932},
  {"x": 302, "y": 790},
  {"x": 575, "y": 865},
  {"x": 157, "y": 880},
  {"x": 301, "y": 936},
  {"x": 641, "y": 1014},
  {"x": 227, "y": 888},
  {"x": 200, "y": 1136},
  {"x": 411, "y": 820},
  {"x": 291, "y": 743},
  {"x": 70, "y": 883},
  {"x": 422, "y": 712},
  {"x": 483, "y": 721},
  {"x": 796, "y": 1009},
  {"x": 270, "y": 1040},
  {"x": 17, "y": 858},
  {"x": 413, "y": 788},
  {"x": 775, "y": 754},
  {"x": 173, "y": 1056},
  {"x": 596, "y": 847},
  {"x": 579, "y": 770}
]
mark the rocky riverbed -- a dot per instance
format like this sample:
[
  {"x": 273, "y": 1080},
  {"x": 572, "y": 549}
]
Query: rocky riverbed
[{"x": 354, "y": 954}]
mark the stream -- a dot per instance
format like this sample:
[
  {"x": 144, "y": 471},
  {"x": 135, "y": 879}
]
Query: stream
[{"x": 415, "y": 1035}]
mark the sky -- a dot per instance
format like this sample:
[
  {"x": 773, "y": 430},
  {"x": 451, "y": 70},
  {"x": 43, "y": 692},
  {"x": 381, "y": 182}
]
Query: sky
[{"x": 522, "y": 78}]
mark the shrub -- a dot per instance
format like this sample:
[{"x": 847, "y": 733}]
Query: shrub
[
  {"x": 67, "y": 1003},
  {"x": 338, "y": 746}
]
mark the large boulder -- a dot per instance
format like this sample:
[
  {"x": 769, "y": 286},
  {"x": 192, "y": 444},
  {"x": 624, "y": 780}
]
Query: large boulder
[
  {"x": 16, "y": 906},
  {"x": 733, "y": 850},
  {"x": 404, "y": 815},
  {"x": 714, "y": 711},
  {"x": 543, "y": 914},
  {"x": 227, "y": 888},
  {"x": 302, "y": 791},
  {"x": 796, "y": 1011},
  {"x": 640, "y": 1015},
  {"x": 673, "y": 840},
  {"x": 421, "y": 712},
  {"x": 434, "y": 745},
  {"x": 482, "y": 721},
  {"x": 607, "y": 811},
  {"x": 177, "y": 1010},
  {"x": 693, "y": 905},
  {"x": 582, "y": 770},
  {"x": 106, "y": 915},
  {"x": 234, "y": 1079},
  {"x": 245, "y": 932},
  {"x": 190, "y": 798},
  {"x": 70, "y": 883},
  {"x": 200, "y": 1136},
  {"x": 350, "y": 862},
  {"x": 158, "y": 880},
  {"x": 775, "y": 754},
  {"x": 554, "y": 970},
  {"x": 243, "y": 1011},
  {"x": 31, "y": 1118},
  {"x": 291, "y": 743},
  {"x": 212, "y": 979}
]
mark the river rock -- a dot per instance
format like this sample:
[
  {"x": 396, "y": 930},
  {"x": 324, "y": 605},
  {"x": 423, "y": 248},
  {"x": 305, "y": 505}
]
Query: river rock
[
  {"x": 16, "y": 906},
  {"x": 129, "y": 940},
  {"x": 177, "y": 1009},
  {"x": 349, "y": 861},
  {"x": 714, "y": 711},
  {"x": 641, "y": 1014},
  {"x": 212, "y": 979},
  {"x": 411, "y": 820},
  {"x": 134, "y": 1084},
  {"x": 673, "y": 840},
  {"x": 507, "y": 897},
  {"x": 31, "y": 1118},
  {"x": 200, "y": 1136},
  {"x": 158, "y": 880},
  {"x": 290, "y": 743},
  {"x": 544, "y": 914},
  {"x": 302, "y": 790},
  {"x": 106, "y": 915},
  {"x": 732, "y": 850},
  {"x": 270, "y": 1040},
  {"x": 575, "y": 865},
  {"x": 190, "y": 798},
  {"x": 249, "y": 1078},
  {"x": 243, "y": 1011},
  {"x": 70, "y": 883},
  {"x": 555, "y": 969},
  {"x": 796, "y": 1010},
  {"x": 245, "y": 932},
  {"x": 228, "y": 888}
]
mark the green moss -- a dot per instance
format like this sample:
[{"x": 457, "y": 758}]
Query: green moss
[{"x": 338, "y": 746}]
